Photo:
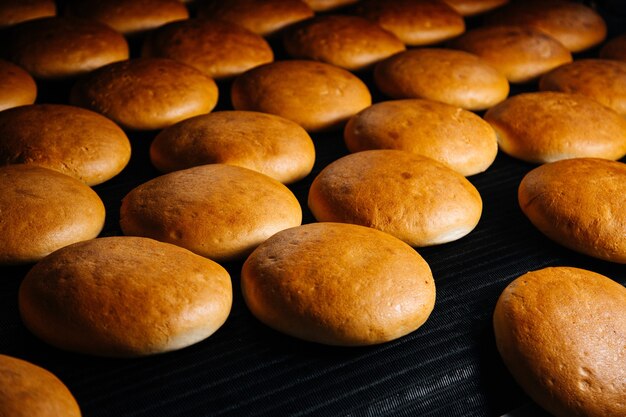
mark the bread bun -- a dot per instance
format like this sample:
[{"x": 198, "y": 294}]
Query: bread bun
[
  {"x": 265, "y": 18},
  {"x": 218, "y": 49},
  {"x": 42, "y": 211},
  {"x": 65, "y": 47},
  {"x": 411, "y": 197},
  {"x": 521, "y": 53},
  {"x": 576, "y": 26},
  {"x": 549, "y": 126},
  {"x": 414, "y": 22},
  {"x": 271, "y": 145},
  {"x": 17, "y": 87},
  {"x": 219, "y": 211},
  {"x": 561, "y": 331},
  {"x": 28, "y": 390},
  {"x": 146, "y": 93},
  {"x": 349, "y": 42},
  {"x": 474, "y": 7},
  {"x": 453, "y": 77},
  {"x": 315, "y": 95},
  {"x": 338, "y": 284},
  {"x": 455, "y": 137},
  {"x": 579, "y": 203},
  {"x": 124, "y": 296},
  {"x": 603, "y": 80},
  {"x": 71, "y": 140},
  {"x": 614, "y": 49},
  {"x": 13, "y": 12},
  {"x": 326, "y": 5}
]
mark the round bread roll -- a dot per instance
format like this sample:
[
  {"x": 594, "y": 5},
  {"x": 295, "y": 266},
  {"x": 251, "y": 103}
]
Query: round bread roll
[
  {"x": 338, "y": 284},
  {"x": 130, "y": 17},
  {"x": 218, "y": 49},
  {"x": 521, "y": 53},
  {"x": 124, "y": 297},
  {"x": 411, "y": 197},
  {"x": 474, "y": 7},
  {"x": 455, "y": 137},
  {"x": 349, "y": 42},
  {"x": 71, "y": 140},
  {"x": 315, "y": 95},
  {"x": 13, "y": 12},
  {"x": 615, "y": 48},
  {"x": 560, "y": 331},
  {"x": 603, "y": 80},
  {"x": 264, "y": 18},
  {"x": 17, "y": 87},
  {"x": 42, "y": 211},
  {"x": 579, "y": 203},
  {"x": 219, "y": 211},
  {"x": 453, "y": 77},
  {"x": 325, "y": 5},
  {"x": 549, "y": 126},
  {"x": 271, "y": 145},
  {"x": 576, "y": 26},
  {"x": 146, "y": 93},
  {"x": 65, "y": 47},
  {"x": 28, "y": 390},
  {"x": 414, "y": 22}
]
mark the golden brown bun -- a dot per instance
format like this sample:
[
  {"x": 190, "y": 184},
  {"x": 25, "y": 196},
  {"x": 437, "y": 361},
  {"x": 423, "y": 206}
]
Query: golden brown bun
[
  {"x": 146, "y": 93},
  {"x": 130, "y": 17},
  {"x": 124, "y": 296},
  {"x": 549, "y": 126},
  {"x": 414, "y": 22},
  {"x": 65, "y": 47},
  {"x": 576, "y": 26},
  {"x": 474, "y": 7},
  {"x": 338, "y": 284},
  {"x": 411, "y": 197},
  {"x": 42, "y": 211},
  {"x": 13, "y": 12},
  {"x": 28, "y": 391},
  {"x": 579, "y": 203},
  {"x": 264, "y": 18},
  {"x": 17, "y": 87},
  {"x": 325, "y": 5},
  {"x": 315, "y": 95},
  {"x": 521, "y": 53},
  {"x": 271, "y": 145},
  {"x": 349, "y": 42},
  {"x": 603, "y": 80},
  {"x": 71, "y": 140},
  {"x": 218, "y": 49},
  {"x": 561, "y": 333},
  {"x": 453, "y": 77},
  {"x": 219, "y": 211},
  {"x": 615, "y": 48},
  {"x": 455, "y": 137}
]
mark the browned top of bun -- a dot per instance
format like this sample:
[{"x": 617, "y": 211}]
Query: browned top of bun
[
  {"x": 519, "y": 52},
  {"x": 217, "y": 48},
  {"x": 561, "y": 331},
  {"x": 124, "y": 296},
  {"x": 146, "y": 93},
  {"x": 262, "y": 17},
  {"x": 71, "y": 140},
  {"x": 579, "y": 203},
  {"x": 338, "y": 284},
  {"x": 42, "y": 211},
  {"x": 325, "y": 5},
  {"x": 28, "y": 390},
  {"x": 603, "y": 80},
  {"x": 549, "y": 126},
  {"x": 615, "y": 48},
  {"x": 13, "y": 12},
  {"x": 62, "y": 47},
  {"x": 315, "y": 95},
  {"x": 415, "y": 22},
  {"x": 474, "y": 7},
  {"x": 17, "y": 87},
  {"x": 349, "y": 42},
  {"x": 130, "y": 17}
]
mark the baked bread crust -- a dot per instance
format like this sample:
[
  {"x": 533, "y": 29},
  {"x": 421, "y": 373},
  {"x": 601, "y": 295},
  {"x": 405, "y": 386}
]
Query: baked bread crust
[{"x": 17, "y": 87}]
